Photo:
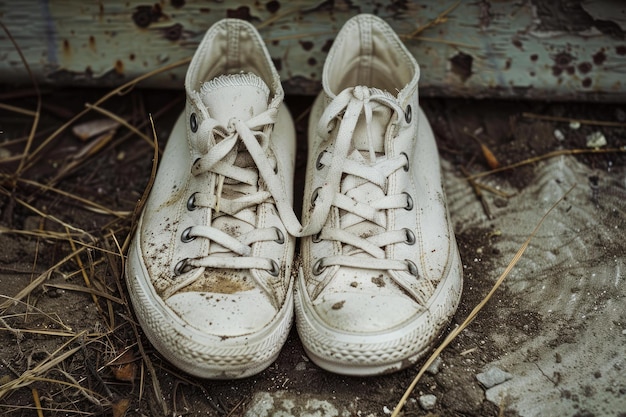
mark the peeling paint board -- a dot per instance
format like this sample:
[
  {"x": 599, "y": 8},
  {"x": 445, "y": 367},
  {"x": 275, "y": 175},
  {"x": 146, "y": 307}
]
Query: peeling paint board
[{"x": 563, "y": 49}]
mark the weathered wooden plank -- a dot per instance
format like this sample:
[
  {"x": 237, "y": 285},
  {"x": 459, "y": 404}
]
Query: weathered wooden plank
[{"x": 562, "y": 49}]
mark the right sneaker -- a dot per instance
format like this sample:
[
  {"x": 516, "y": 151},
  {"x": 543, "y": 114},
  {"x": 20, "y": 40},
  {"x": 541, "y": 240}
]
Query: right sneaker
[
  {"x": 209, "y": 268},
  {"x": 381, "y": 275}
]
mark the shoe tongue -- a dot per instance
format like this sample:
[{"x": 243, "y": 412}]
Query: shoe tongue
[
  {"x": 241, "y": 96},
  {"x": 381, "y": 116}
]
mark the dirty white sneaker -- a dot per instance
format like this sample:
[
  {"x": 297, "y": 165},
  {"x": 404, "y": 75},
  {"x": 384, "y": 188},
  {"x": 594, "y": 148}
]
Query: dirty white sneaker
[
  {"x": 383, "y": 275},
  {"x": 209, "y": 269}
]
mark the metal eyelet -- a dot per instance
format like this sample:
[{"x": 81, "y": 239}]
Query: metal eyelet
[
  {"x": 410, "y": 237},
  {"x": 280, "y": 236},
  {"x": 186, "y": 235},
  {"x": 318, "y": 162},
  {"x": 275, "y": 269},
  {"x": 408, "y": 114},
  {"x": 191, "y": 203},
  {"x": 318, "y": 267},
  {"x": 181, "y": 267},
  {"x": 316, "y": 238},
  {"x": 412, "y": 268},
  {"x": 193, "y": 123},
  {"x": 407, "y": 165},
  {"x": 409, "y": 202},
  {"x": 314, "y": 196}
]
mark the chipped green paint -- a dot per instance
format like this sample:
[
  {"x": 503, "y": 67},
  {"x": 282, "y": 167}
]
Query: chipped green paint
[{"x": 563, "y": 49}]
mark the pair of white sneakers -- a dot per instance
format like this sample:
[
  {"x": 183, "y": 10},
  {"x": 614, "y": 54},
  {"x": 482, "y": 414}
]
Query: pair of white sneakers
[{"x": 211, "y": 270}]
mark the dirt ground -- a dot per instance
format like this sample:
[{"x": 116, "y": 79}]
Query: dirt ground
[{"x": 69, "y": 343}]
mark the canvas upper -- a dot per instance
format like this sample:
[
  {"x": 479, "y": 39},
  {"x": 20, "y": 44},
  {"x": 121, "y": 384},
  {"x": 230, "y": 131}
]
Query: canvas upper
[
  {"x": 381, "y": 273},
  {"x": 209, "y": 269}
]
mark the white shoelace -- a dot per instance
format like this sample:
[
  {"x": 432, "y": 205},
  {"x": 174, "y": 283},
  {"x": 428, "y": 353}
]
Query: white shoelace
[
  {"x": 347, "y": 173},
  {"x": 230, "y": 163}
]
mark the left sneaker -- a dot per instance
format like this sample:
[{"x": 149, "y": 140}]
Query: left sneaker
[
  {"x": 209, "y": 269},
  {"x": 383, "y": 276}
]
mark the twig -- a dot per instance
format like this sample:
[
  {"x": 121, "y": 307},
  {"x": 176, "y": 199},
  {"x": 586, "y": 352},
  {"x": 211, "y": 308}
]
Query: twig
[
  {"x": 548, "y": 156},
  {"x": 121, "y": 121},
  {"x": 91, "y": 205},
  {"x": 441, "y": 18},
  {"x": 42, "y": 214},
  {"x": 570, "y": 120},
  {"x": 31, "y": 375},
  {"x": 38, "y": 281},
  {"x": 478, "y": 308},
  {"x": 33, "y": 128},
  {"x": 37, "y": 402},
  {"x": 146, "y": 192},
  {"x": 478, "y": 193},
  {"x": 82, "y": 390},
  {"x": 491, "y": 159},
  {"x": 119, "y": 90},
  {"x": 72, "y": 287},
  {"x": 18, "y": 110}
]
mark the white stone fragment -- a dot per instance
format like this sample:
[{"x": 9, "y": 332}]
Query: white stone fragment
[
  {"x": 596, "y": 140},
  {"x": 434, "y": 367},
  {"x": 559, "y": 135},
  {"x": 427, "y": 401},
  {"x": 493, "y": 376}
]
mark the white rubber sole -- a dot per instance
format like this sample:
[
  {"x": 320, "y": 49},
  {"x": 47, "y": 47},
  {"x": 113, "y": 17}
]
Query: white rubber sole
[
  {"x": 362, "y": 354},
  {"x": 195, "y": 352}
]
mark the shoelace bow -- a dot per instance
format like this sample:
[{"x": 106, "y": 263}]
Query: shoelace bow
[{"x": 347, "y": 172}]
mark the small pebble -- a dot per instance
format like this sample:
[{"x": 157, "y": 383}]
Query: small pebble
[
  {"x": 559, "y": 135},
  {"x": 434, "y": 367},
  {"x": 428, "y": 401},
  {"x": 574, "y": 125},
  {"x": 596, "y": 140},
  {"x": 494, "y": 376},
  {"x": 301, "y": 366}
]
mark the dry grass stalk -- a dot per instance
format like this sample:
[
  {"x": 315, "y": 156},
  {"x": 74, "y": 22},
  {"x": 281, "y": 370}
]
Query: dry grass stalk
[
  {"x": 38, "y": 281},
  {"x": 146, "y": 192},
  {"x": 42, "y": 214},
  {"x": 121, "y": 121},
  {"x": 37, "y": 112},
  {"x": 478, "y": 192},
  {"x": 18, "y": 110},
  {"x": 35, "y": 374},
  {"x": 88, "y": 204},
  {"x": 101, "y": 250},
  {"x": 34, "y": 310},
  {"x": 123, "y": 89},
  {"x": 441, "y": 18},
  {"x": 453, "y": 334},
  {"x": 78, "y": 288},
  {"x": 547, "y": 156},
  {"x": 572, "y": 120},
  {"x": 37, "y": 402}
]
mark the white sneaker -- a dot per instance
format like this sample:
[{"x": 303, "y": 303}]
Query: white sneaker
[
  {"x": 383, "y": 276},
  {"x": 209, "y": 269}
]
